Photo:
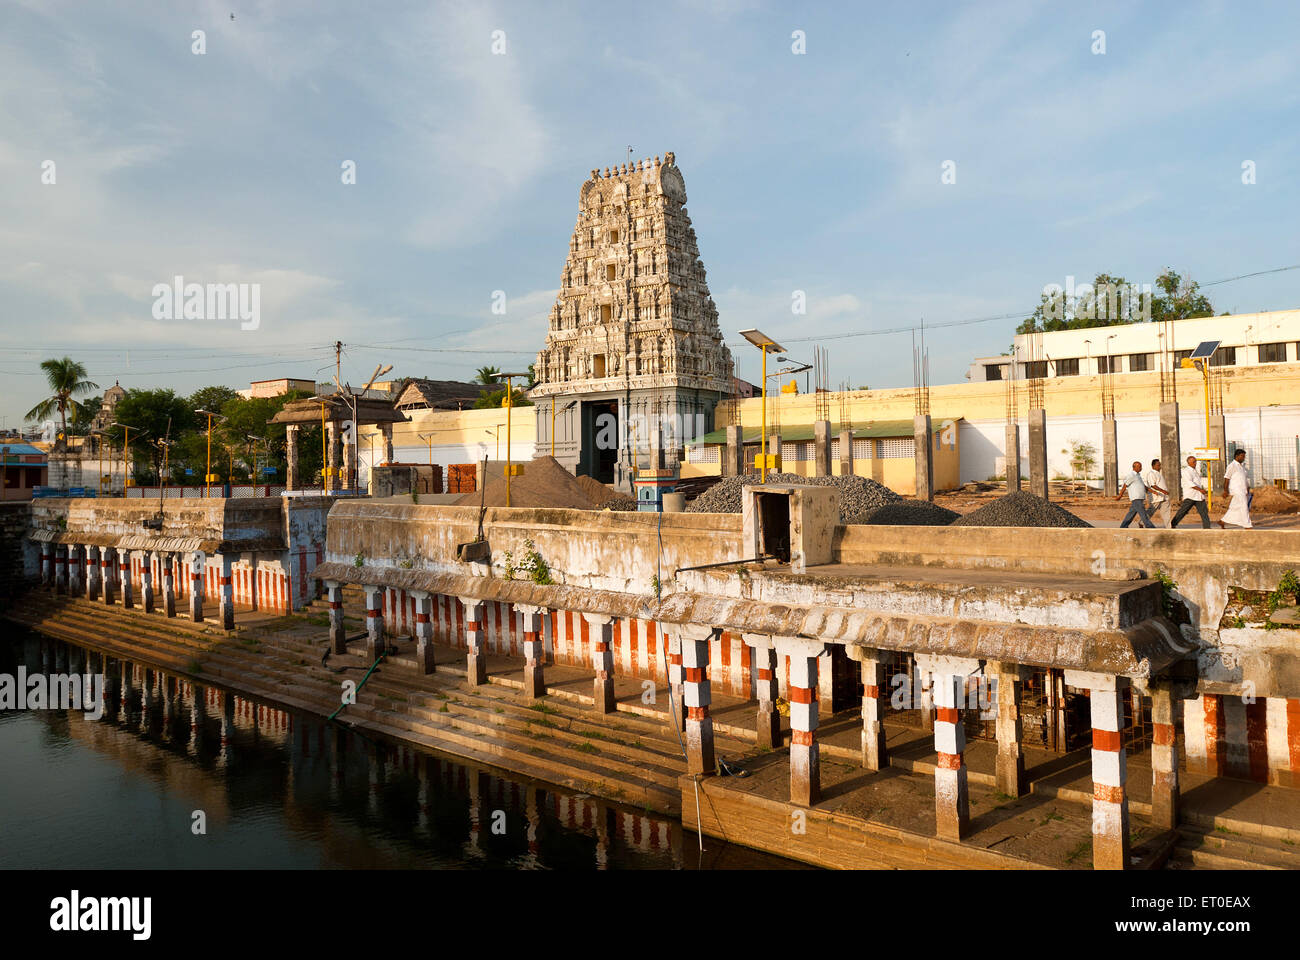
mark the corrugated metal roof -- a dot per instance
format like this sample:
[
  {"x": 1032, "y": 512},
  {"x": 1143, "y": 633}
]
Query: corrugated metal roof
[{"x": 20, "y": 450}]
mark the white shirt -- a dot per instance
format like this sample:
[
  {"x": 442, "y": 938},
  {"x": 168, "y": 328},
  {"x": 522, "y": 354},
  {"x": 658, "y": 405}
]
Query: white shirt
[
  {"x": 1191, "y": 480},
  {"x": 1155, "y": 478},
  {"x": 1136, "y": 488},
  {"x": 1238, "y": 479}
]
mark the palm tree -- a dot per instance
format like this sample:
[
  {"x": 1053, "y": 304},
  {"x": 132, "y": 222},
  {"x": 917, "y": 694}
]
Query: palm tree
[
  {"x": 487, "y": 375},
  {"x": 66, "y": 378}
]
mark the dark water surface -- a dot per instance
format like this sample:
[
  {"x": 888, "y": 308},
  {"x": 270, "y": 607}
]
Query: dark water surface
[{"x": 280, "y": 789}]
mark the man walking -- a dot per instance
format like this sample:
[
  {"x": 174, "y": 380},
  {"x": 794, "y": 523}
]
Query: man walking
[
  {"x": 1155, "y": 482},
  {"x": 1195, "y": 488},
  {"x": 1137, "y": 495},
  {"x": 1236, "y": 484}
]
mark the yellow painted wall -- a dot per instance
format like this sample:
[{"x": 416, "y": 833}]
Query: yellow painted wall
[
  {"x": 465, "y": 426},
  {"x": 1065, "y": 396}
]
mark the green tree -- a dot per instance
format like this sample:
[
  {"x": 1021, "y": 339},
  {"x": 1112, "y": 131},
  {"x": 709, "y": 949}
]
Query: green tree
[
  {"x": 152, "y": 415},
  {"x": 84, "y": 415},
  {"x": 497, "y": 398},
  {"x": 1182, "y": 298},
  {"x": 487, "y": 375},
  {"x": 66, "y": 378},
  {"x": 211, "y": 398}
]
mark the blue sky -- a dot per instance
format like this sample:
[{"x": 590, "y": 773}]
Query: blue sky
[{"x": 818, "y": 172}]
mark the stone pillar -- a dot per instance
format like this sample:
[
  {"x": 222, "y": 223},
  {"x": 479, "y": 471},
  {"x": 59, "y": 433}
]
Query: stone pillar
[
  {"x": 375, "y": 644},
  {"x": 805, "y": 763},
  {"x": 951, "y": 790},
  {"x": 1012, "y": 457},
  {"x": 146, "y": 580},
  {"x": 75, "y": 584},
  {"x": 1110, "y": 457},
  {"x": 733, "y": 458},
  {"x": 924, "y": 442},
  {"x": 677, "y": 707},
  {"x": 335, "y": 449},
  {"x": 47, "y": 565},
  {"x": 1164, "y": 756},
  {"x": 875, "y": 687},
  {"x": 695, "y": 678},
  {"x": 227, "y": 592},
  {"x": 1007, "y": 681},
  {"x": 766, "y": 688},
  {"x": 350, "y": 479},
  {"x": 424, "y": 658},
  {"x": 108, "y": 575},
  {"x": 92, "y": 573},
  {"x": 1038, "y": 453},
  {"x": 822, "y": 447},
  {"x": 534, "y": 655},
  {"x": 1110, "y": 827},
  {"x": 169, "y": 583},
  {"x": 1215, "y": 468},
  {"x": 774, "y": 448},
  {"x": 387, "y": 430},
  {"x": 61, "y": 554},
  {"x": 196, "y": 586},
  {"x": 602, "y": 661},
  {"x": 846, "y": 452},
  {"x": 338, "y": 633},
  {"x": 1171, "y": 452},
  {"x": 124, "y": 578},
  {"x": 291, "y": 456},
  {"x": 476, "y": 659}
]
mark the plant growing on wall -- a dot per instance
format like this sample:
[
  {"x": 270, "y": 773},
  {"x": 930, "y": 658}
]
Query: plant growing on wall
[
  {"x": 359, "y": 560},
  {"x": 531, "y": 565}
]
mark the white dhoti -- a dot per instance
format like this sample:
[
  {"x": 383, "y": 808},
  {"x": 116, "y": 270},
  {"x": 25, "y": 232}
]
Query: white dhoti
[{"x": 1239, "y": 510}]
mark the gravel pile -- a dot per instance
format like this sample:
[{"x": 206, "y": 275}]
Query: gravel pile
[
  {"x": 859, "y": 496},
  {"x": 919, "y": 513},
  {"x": 1020, "y": 509}
]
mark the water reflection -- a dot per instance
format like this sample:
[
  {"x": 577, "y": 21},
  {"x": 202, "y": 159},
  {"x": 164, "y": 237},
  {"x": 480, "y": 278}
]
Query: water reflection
[{"x": 282, "y": 789}]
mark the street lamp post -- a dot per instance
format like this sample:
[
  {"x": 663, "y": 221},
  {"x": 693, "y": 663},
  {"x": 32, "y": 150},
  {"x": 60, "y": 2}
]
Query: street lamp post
[
  {"x": 208, "y": 475},
  {"x": 509, "y": 378},
  {"x": 764, "y": 343},
  {"x": 126, "y": 452}
]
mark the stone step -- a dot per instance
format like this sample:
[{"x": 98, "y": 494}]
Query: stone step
[{"x": 1225, "y": 850}]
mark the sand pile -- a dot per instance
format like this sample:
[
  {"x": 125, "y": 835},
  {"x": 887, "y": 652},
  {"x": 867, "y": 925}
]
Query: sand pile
[
  {"x": 544, "y": 484},
  {"x": 1020, "y": 509},
  {"x": 605, "y": 497},
  {"x": 1270, "y": 499}
]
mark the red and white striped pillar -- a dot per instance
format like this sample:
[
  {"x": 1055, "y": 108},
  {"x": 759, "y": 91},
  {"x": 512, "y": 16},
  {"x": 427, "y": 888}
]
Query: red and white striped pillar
[
  {"x": 951, "y": 786},
  {"x": 805, "y": 762},
  {"x": 124, "y": 577},
  {"x": 375, "y": 644},
  {"x": 76, "y": 566},
  {"x": 673, "y": 646},
  {"x": 1007, "y": 681},
  {"x": 424, "y": 658},
  {"x": 226, "y": 583},
  {"x": 475, "y": 634},
  {"x": 168, "y": 561},
  {"x": 602, "y": 660},
  {"x": 108, "y": 575},
  {"x": 766, "y": 688},
  {"x": 875, "y": 754},
  {"x": 1164, "y": 755},
  {"x": 61, "y": 554},
  {"x": 92, "y": 573},
  {"x": 196, "y": 586},
  {"x": 534, "y": 655},
  {"x": 1110, "y": 829},
  {"x": 146, "y": 580},
  {"x": 696, "y": 692}
]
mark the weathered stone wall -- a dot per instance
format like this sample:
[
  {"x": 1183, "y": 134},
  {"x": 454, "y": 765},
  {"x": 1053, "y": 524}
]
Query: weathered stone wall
[
  {"x": 603, "y": 550},
  {"x": 17, "y": 562}
]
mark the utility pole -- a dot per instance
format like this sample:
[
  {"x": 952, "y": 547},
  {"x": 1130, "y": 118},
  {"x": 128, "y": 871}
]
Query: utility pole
[{"x": 338, "y": 353}]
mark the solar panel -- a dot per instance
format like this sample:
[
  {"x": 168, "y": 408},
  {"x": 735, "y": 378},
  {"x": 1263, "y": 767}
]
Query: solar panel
[{"x": 1205, "y": 350}]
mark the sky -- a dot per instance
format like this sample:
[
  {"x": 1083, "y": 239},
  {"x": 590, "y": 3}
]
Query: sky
[{"x": 815, "y": 141}]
